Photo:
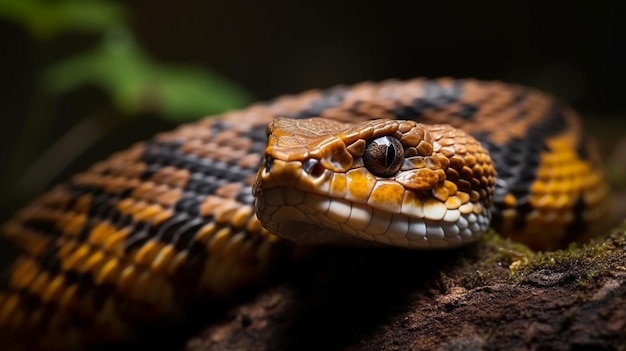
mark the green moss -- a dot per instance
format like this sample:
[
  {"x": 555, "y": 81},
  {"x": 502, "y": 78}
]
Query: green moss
[
  {"x": 582, "y": 283},
  {"x": 522, "y": 259},
  {"x": 589, "y": 262},
  {"x": 579, "y": 296},
  {"x": 505, "y": 248},
  {"x": 482, "y": 274}
]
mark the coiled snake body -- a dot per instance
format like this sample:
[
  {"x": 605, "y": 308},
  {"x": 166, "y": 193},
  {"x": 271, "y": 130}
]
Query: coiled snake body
[{"x": 190, "y": 214}]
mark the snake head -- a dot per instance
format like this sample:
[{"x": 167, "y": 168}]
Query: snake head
[{"x": 394, "y": 182}]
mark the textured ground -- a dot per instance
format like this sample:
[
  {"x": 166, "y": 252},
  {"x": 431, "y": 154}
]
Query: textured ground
[
  {"x": 512, "y": 299},
  {"x": 493, "y": 295}
]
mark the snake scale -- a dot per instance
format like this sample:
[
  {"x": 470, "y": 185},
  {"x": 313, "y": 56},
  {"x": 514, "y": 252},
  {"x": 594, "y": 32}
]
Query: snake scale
[{"x": 196, "y": 213}]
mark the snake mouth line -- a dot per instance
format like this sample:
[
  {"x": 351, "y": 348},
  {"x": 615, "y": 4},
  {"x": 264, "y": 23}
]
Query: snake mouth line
[
  {"x": 309, "y": 218},
  {"x": 150, "y": 232}
]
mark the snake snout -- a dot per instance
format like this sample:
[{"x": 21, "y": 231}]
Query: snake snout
[{"x": 397, "y": 183}]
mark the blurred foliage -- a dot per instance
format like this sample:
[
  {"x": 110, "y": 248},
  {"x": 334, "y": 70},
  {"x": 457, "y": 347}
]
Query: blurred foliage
[
  {"x": 46, "y": 19},
  {"x": 134, "y": 84},
  {"x": 134, "y": 81},
  {"x": 137, "y": 83}
]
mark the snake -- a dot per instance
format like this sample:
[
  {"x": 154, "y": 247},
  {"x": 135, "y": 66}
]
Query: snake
[{"x": 214, "y": 206}]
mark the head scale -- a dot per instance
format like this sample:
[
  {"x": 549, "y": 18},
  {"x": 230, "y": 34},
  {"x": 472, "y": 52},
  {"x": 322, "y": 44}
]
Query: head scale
[{"x": 387, "y": 181}]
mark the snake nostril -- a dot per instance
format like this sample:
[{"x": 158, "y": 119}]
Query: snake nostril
[
  {"x": 269, "y": 161},
  {"x": 313, "y": 167}
]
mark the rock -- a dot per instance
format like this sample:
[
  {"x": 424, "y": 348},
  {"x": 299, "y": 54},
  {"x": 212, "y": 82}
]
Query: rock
[{"x": 494, "y": 295}]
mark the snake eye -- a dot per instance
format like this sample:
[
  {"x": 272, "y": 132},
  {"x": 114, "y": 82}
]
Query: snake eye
[{"x": 383, "y": 156}]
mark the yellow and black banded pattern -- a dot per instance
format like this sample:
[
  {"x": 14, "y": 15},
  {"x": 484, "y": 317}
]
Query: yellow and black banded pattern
[{"x": 141, "y": 236}]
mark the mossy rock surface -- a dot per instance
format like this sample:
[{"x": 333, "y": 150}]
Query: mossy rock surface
[{"x": 492, "y": 295}]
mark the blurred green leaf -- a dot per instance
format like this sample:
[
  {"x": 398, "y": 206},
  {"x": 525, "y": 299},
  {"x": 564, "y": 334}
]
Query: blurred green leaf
[
  {"x": 46, "y": 19},
  {"x": 136, "y": 83},
  {"x": 197, "y": 92}
]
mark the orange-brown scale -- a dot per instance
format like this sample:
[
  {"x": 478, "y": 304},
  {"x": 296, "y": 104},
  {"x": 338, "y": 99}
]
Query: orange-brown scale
[
  {"x": 105, "y": 261},
  {"x": 340, "y": 151},
  {"x": 92, "y": 248}
]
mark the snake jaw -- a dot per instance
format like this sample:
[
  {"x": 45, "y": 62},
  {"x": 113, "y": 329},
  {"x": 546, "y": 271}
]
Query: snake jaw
[
  {"x": 168, "y": 222},
  {"x": 322, "y": 191}
]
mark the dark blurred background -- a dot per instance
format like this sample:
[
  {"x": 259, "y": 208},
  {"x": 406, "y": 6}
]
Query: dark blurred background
[{"x": 81, "y": 79}]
